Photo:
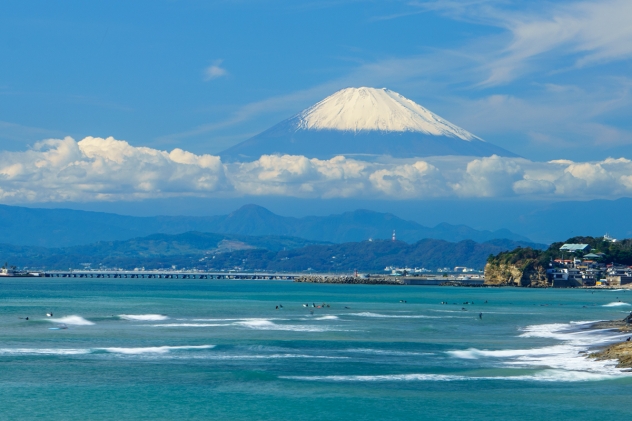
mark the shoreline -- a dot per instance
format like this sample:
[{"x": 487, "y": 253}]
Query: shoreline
[{"x": 620, "y": 351}]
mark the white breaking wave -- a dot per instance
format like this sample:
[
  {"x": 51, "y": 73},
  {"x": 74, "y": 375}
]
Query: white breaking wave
[
  {"x": 569, "y": 356},
  {"x": 360, "y": 109},
  {"x": 616, "y": 304},
  {"x": 143, "y": 317},
  {"x": 544, "y": 376},
  {"x": 326, "y": 318},
  {"x": 72, "y": 320},
  {"x": 83, "y": 351},
  {"x": 386, "y": 352},
  {"x": 43, "y": 351},
  {"x": 474, "y": 353},
  {"x": 377, "y": 315},
  {"x": 265, "y": 324},
  {"x": 190, "y": 324},
  {"x": 153, "y": 349},
  {"x": 272, "y": 357}
]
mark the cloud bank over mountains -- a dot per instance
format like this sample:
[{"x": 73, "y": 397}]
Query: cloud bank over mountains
[{"x": 97, "y": 169}]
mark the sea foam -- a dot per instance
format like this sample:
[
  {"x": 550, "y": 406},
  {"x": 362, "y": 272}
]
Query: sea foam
[
  {"x": 266, "y": 324},
  {"x": 566, "y": 360},
  {"x": 44, "y": 351},
  {"x": 153, "y": 349},
  {"x": 143, "y": 317},
  {"x": 190, "y": 324},
  {"x": 72, "y": 320},
  {"x": 616, "y": 304},
  {"x": 543, "y": 376}
]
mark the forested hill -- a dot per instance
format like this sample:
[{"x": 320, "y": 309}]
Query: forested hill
[
  {"x": 619, "y": 252},
  {"x": 205, "y": 251}
]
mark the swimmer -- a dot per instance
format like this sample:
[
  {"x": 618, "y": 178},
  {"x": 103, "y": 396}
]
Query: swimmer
[{"x": 480, "y": 315}]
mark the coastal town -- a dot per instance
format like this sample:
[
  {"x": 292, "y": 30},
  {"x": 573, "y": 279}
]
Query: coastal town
[{"x": 593, "y": 263}]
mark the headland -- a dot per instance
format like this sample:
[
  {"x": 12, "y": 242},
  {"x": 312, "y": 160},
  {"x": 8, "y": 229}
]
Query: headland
[{"x": 622, "y": 351}]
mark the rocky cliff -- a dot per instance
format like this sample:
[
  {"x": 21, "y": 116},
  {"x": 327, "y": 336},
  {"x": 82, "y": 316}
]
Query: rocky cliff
[{"x": 523, "y": 271}]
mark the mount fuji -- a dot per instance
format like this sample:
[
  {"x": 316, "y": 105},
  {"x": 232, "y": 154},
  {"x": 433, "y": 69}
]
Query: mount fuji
[{"x": 364, "y": 123}]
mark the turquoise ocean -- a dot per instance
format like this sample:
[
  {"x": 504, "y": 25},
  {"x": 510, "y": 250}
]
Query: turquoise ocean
[{"x": 221, "y": 350}]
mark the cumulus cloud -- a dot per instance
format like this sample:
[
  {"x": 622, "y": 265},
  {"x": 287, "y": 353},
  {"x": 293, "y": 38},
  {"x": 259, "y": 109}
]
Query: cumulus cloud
[
  {"x": 489, "y": 177},
  {"x": 104, "y": 169},
  {"x": 215, "y": 71},
  {"x": 95, "y": 169}
]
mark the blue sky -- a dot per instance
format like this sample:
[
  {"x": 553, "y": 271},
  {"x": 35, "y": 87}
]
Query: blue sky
[
  {"x": 136, "y": 70},
  {"x": 547, "y": 80}
]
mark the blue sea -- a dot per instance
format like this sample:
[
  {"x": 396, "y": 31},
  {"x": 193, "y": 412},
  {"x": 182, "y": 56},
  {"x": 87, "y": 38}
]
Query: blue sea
[{"x": 221, "y": 350}]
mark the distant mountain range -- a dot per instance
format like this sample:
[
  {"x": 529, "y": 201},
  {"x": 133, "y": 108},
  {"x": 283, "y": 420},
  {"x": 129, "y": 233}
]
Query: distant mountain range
[
  {"x": 156, "y": 250},
  {"x": 364, "y": 123},
  {"x": 64, "y": 227},
  {"x": 207, "y": 251}
]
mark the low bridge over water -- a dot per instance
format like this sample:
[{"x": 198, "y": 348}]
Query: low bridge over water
[{"x": 167, "y": 275}]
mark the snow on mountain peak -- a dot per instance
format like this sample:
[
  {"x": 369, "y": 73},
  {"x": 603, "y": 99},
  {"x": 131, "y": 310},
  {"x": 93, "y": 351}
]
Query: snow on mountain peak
[{"x": 366, "y": 109}]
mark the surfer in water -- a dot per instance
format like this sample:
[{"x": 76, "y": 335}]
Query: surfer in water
[{"x": 480, "y": 315}]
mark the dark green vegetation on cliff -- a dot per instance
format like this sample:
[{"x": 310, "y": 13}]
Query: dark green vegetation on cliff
[
  {"x": 219, "y": 251},
  {"x": 617, "y": 252},
  {"x": 527, "y": 266}
]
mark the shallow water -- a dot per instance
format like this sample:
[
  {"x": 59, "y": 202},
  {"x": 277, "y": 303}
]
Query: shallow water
[{"x": 171, "y": 349}]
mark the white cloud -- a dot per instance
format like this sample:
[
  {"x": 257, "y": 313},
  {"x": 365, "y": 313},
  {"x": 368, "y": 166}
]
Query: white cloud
[
  {"x": 584, "y": 32},
  {"x": 104, "y": 169},
  {"x": 96, "y": 169},
  {"x": 215, "y": 71},
  {"x": 419, "y": 180}
]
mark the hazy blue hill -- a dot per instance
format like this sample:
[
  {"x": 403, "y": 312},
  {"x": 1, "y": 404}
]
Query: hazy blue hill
[
  {"x": 207, "y": 251},
  {"x": 156, "y": 249},
  {"x": 358, "y": 225},
  {"x": 64, "y": 227},
  {"x": 186, "y": 243},
  {"x": 256, "y": 220}
]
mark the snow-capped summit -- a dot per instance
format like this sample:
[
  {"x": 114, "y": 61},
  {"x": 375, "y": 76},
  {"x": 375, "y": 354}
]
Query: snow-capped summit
[
  {"x": 365, "y": 122},
  {"x": 357, "y": 109}
]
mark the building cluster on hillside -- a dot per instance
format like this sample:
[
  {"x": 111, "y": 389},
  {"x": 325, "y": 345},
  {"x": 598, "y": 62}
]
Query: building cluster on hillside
[{"x": 587, "y": 270}]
